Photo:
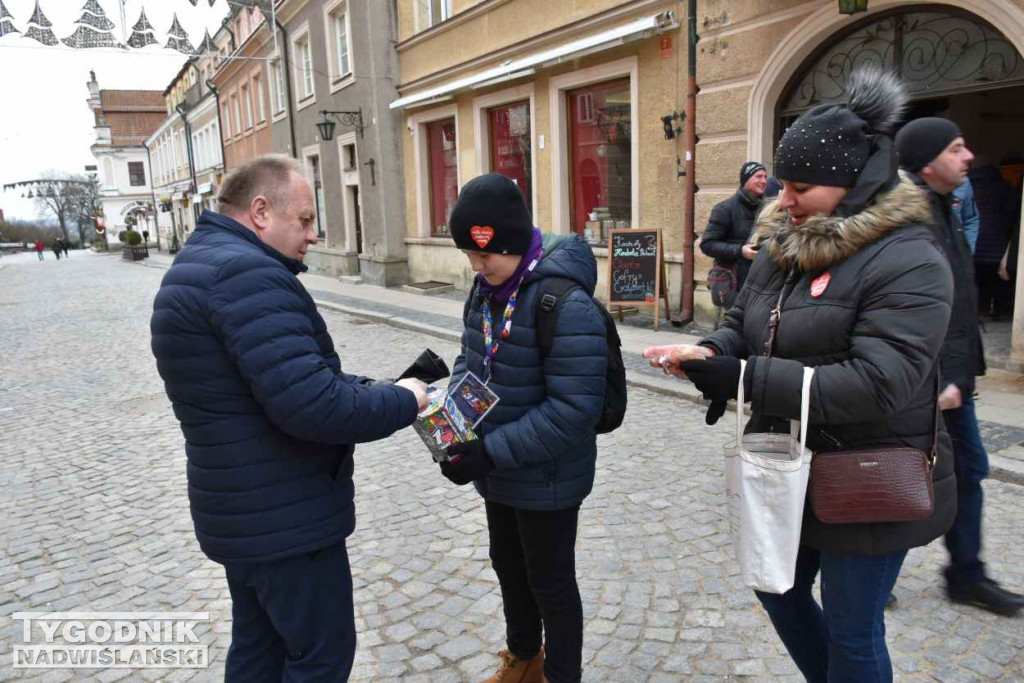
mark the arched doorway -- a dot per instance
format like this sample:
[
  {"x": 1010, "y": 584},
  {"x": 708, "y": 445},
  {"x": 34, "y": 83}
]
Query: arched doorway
[{"x": 956, "y": 64}]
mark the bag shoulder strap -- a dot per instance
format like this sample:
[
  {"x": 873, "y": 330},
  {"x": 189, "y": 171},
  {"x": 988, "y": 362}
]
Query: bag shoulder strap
[
  {"x": 553, "y": 291},
  {"x": 933, "y": 457}
]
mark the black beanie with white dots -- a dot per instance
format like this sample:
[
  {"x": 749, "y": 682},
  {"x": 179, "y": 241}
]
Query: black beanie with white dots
[{"x": 831, "y": 143}]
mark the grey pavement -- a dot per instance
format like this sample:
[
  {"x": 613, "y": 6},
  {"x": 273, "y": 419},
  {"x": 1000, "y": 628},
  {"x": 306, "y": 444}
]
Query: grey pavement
[{"x": 94, "y": 516}]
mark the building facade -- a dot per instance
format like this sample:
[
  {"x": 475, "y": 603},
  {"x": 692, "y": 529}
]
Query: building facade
[
  {"x": 124, "y": 119},
  {"x": 567, "y": 103},
  {"x": 762, "y": 64},
  {"x": 241, "y": 78},
  {"x": 338, "y": 56}
]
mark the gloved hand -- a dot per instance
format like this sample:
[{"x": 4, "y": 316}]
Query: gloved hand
[
  {"x": 717, "y": 379},
  {"x": 467, "y": 461}
]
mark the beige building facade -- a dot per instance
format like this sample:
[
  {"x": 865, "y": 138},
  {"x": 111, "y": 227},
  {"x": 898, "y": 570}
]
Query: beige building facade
[
  {"x": 568, "y": 102},
  {"x": 760, "y": 64},
  {"x": 572, "y": 104}
]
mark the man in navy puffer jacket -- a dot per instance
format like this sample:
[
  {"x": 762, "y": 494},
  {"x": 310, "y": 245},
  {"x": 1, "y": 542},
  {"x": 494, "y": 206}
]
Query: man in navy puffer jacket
[
  {"x": 269, "y": 420},
  {"x": 534, "y": 463}
]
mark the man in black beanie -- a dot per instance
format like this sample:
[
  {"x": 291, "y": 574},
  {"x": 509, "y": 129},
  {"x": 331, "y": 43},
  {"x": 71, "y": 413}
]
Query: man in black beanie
[
  {"x": 727, "y": 236},
  {"x": 933, "y": 151}
]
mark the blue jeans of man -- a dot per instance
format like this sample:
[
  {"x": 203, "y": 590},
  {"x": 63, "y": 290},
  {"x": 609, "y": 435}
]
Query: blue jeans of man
[
  {"x": 293, "y": 619},
  {"x": 970, "y": 462},
  {"x": 843, "y": 639}
]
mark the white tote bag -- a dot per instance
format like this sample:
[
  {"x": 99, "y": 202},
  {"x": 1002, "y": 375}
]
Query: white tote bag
[{"x": 765, "y": 486}]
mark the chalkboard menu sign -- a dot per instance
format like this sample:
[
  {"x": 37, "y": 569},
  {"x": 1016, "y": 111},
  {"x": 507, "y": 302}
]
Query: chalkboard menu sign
[{"x": 635, "y": 269}]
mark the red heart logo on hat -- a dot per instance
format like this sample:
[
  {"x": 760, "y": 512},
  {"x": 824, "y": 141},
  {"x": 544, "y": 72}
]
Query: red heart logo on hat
[{"x": 481, "y": 234}]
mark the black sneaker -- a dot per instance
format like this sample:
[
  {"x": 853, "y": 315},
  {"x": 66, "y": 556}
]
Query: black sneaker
[{"x": 987, "y": 594}]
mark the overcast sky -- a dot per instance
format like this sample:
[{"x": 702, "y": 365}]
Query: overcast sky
[{"x": 45, "y": 122}]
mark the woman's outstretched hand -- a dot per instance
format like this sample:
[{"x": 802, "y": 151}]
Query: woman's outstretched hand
[{"x": 668, "y": 357}]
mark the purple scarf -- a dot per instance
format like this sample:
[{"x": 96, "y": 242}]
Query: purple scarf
[{"x": 503, "y": 292}]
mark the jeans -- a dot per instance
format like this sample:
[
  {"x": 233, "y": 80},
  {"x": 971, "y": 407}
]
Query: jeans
[
  {"x": 534, "y": 555},
  {"x": 293, "y": 619},
  {"x": 970, "y": 462},
  {"x": 843, "y": 640}
]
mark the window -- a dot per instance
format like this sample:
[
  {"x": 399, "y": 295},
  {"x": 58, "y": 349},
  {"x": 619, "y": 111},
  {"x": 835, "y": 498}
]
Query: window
[
  {"x": 279, "y": 93},
  {"x": 238, "y": 115},
  {"x": 509, "y": 128},
  {"x": 600, "y": 152},
  {"x": 443, "y": 173},
  {"x": 339, "y": 25},
  {"x": 306, "y": 66},
  {"x": 261, "y": 108},
  {"x": 248, "y": 107},
  {"x": 431, "y": 12},
  {"x": 318, "y": 192},
  {"x": 227, "y": 122}
]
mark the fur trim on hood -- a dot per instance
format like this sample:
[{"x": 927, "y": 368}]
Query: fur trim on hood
[{"x": 822, "y": 241}]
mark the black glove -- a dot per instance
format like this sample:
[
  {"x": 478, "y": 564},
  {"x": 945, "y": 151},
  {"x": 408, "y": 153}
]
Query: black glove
[
  {"x": 428, "y": 368},
  {"x": 717, "y": 378},
  {"x": 467, "y": 461}
]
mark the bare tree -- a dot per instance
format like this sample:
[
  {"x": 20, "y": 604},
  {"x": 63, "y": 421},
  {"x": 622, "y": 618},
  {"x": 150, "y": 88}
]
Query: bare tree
[
  {"x": 67, "y": 197},
  {"x": 84, "y": 199},
  {"x": 25, "y": 231}
]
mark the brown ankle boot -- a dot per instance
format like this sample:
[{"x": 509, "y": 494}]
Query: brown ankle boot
[{"x": 515, "y": 670}]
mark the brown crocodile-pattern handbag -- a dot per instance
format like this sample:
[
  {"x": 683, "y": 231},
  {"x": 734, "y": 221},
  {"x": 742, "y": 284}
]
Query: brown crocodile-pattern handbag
[{"x": 867, "y": 485}]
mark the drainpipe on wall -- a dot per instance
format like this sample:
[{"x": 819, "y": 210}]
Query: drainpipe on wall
[
  {"x": 689, "y": 238},
  {"x": 152, "y": 191},
  {"x": 220, "y": 124},
  {"x": 288, "y": 86},
  {"x": 181, "y": 109}
]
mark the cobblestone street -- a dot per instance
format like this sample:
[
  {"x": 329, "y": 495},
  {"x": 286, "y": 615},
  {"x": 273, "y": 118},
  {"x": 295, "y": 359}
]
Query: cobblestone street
[{"x": 95, "y": 518}]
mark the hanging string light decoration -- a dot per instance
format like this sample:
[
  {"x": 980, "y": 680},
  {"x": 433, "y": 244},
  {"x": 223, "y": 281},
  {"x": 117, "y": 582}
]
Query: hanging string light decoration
[
  {"x": 207, "y": 46},
  {"x": 94, "y": 29},
  {"x": 142, "y": 33},
  {"x": 6, "y": 22},
  {"x": 178, "y": 39},
  {"x": 39, "y": 28}
]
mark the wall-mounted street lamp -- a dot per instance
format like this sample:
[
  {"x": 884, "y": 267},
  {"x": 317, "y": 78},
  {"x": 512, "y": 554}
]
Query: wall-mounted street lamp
[
  {"x": 347, "y": 118},
  {"x": 852, "y": 6}
]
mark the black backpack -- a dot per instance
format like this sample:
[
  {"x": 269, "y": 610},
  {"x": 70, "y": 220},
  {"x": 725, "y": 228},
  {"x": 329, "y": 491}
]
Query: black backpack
[{"x": 553, "y": 291}]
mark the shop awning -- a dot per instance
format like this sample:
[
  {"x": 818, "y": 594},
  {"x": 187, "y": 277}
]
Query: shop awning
[{"x": 600, "y": 41}]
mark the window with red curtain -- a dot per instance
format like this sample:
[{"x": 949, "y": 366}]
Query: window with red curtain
[
  {"x": 510, "y": 145},
  {"x": 444, "y": 180},
  {"x": 600, "y": 153}
]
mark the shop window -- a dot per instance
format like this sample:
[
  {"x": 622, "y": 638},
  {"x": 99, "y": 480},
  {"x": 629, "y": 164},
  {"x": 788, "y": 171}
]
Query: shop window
[
  {"x": 600, "y": 148},
  {"x": 510, "y": 147},
  {"x": 443, "y": 175}
]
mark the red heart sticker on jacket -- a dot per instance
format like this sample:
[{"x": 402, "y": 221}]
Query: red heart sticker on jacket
[
  {"x": 820, "y": 284},
  {"x": 481, "y": 234}
]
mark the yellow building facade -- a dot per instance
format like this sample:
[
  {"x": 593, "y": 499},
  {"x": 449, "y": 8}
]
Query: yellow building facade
[{"x": 580, "y": 90}]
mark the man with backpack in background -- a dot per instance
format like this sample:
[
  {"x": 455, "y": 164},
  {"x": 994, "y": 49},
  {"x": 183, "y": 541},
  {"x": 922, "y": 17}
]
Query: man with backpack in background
[{"x": 535, "y": 335}]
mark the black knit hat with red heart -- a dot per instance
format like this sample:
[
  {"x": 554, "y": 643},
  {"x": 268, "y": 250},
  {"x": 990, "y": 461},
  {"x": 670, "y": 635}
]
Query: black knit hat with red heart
[{"x": 491, "y": 216}]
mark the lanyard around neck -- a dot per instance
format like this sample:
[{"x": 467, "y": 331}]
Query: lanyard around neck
[{"x": 491, "y": 340}]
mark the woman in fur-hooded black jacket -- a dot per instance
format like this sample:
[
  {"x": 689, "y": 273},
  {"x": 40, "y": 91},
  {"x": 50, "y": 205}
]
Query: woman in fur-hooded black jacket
[{"x": 864, "y": 295}]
